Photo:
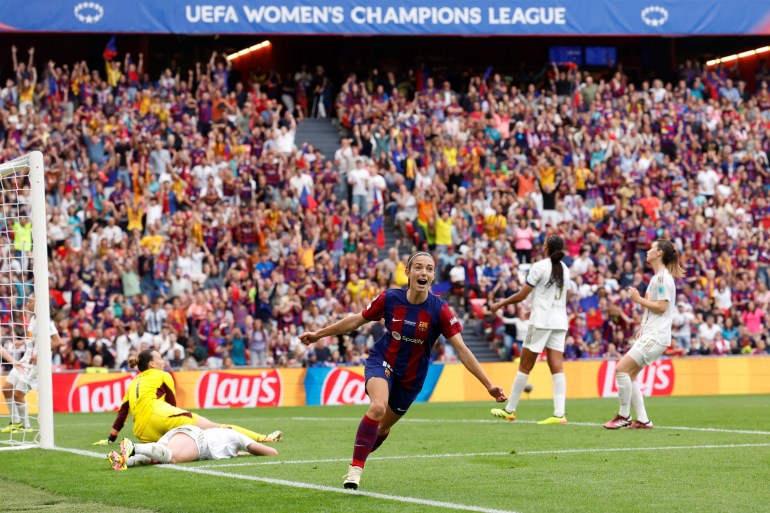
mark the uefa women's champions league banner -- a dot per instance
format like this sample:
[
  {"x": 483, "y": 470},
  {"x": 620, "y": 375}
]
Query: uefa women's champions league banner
[
  {"x": 261, "y": 388},
  {"x": 387, "y": 17}
]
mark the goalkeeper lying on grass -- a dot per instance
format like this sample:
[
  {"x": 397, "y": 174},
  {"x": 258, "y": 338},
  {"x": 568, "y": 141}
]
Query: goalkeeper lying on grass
[{"x": 187, "y": 443}]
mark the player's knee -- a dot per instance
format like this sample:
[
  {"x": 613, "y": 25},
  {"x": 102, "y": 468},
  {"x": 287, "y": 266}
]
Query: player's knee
[
  {"x": 18, "y": 395},
  {"x": 377, "y": 410}
]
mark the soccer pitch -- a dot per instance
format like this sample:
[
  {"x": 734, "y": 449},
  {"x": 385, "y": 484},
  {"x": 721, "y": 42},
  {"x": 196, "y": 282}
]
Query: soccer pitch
[{"x": 709, "y": 454}]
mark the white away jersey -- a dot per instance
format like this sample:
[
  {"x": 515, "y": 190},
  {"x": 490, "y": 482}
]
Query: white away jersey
[
  {"x": 658, "y": 326},
  {"x": 30, "y": 371},
  {"x": 213, "y": 444},
  {"x": 549, "y": 303}
]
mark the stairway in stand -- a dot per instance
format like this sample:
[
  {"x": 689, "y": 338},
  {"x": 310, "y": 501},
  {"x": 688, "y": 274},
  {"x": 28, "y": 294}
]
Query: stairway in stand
[{"x": 321, "y": 133}]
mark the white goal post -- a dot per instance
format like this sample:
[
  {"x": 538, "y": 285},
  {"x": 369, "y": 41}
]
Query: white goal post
[{"x": 24, "y": 174}]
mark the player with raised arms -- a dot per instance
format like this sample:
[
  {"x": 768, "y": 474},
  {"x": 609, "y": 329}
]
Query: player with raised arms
[
  {"x": 654, "y": 336},
  {"x": 23, "y": 377},
  {"x": 398, "y": 362},
  {"x": 187, "y": 443},
  {"x": 151, "y": 399},
  {"x": 548, "y": 281}
]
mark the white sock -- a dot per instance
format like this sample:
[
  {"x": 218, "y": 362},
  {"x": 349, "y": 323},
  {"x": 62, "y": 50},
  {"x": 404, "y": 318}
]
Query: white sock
[
  {"x": 154, "y": 451},
  {"x": 138, "y": 459},
  {"x": 637, "y": 401},
  {"x": 14, "y": 412},
  {"x": 23, "y": 415},
  {"x": 624, "y": 393},
  {"x": 559, "y": 394},
  {"x": 518, "y": 387}
]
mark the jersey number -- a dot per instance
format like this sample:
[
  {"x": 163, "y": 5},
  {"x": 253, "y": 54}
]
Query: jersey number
[
  {"x": 558, "y": 296},
  {"x": 137, "y": 387}
]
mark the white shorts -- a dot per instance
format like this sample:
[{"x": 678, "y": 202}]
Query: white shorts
[
  {"x": 193, "y": 432},
  {"x": 646, "y": 350},
  {"x": 539, "y": 339},
  {"x": 20, "y": 382}
]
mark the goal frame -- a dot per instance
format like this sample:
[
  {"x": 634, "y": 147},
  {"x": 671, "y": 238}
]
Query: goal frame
[
  {"x": 37, "y": 210},
  {"x": 42, "y": 305}
]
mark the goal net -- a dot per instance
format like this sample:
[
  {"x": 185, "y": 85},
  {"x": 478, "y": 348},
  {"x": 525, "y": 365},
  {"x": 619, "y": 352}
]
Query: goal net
[{"x": 26, "y": 409}]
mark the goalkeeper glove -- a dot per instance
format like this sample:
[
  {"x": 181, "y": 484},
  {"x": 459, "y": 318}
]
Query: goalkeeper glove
[{"x": 110, "y": 439}]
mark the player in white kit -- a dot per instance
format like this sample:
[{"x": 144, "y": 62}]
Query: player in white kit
[
  {"x": 23, "y": 377},
  {"x": 548, "y": 281},
  {"x": 654, "y": 336},
  {"x": 188, "y": 443}
]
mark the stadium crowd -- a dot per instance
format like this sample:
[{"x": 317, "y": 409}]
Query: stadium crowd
[{"x": 183, "y": 214}]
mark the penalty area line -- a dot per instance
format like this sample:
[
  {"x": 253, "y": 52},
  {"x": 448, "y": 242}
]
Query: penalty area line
[
  {"x": 306, "y": 486},
  {"x": 498, "y": 421},
  {"x": 488, "y": 454}
]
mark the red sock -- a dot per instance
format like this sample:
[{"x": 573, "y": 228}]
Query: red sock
[
  {"x": 365, "y": 439},
  {"x": 378, "y": 443}
]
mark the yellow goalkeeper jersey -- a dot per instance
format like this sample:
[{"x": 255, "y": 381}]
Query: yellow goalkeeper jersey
[{"x": 150, "y": 390}]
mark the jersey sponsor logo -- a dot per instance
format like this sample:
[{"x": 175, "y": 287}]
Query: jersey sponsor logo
[
  {"x": 230, "y": 390},
  {"x": 344, "y": 387},
  {"x": 398, "y": 336},
  {"x": 410, "y": 323},
  {"x": 97, "y": 395},
  {"x": 655, "y": 379}
]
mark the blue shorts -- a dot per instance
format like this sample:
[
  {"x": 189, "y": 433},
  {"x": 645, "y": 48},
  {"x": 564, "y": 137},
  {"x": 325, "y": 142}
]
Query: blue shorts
[{"x": 399, "y": 398}]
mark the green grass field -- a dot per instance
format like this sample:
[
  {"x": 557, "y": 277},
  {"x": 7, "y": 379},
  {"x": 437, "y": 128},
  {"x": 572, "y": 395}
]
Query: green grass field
[{"x": 707, "y": 454}]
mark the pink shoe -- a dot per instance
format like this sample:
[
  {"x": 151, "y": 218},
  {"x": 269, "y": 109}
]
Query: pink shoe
[
  {"x": 641, "y": 425},
  {"x": 618, "y": 422}
]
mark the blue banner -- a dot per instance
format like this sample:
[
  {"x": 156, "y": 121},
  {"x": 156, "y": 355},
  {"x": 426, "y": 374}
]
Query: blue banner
[{"x": 387, "y": 17}]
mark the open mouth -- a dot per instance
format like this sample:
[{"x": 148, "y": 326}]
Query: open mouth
[{"x": 422, "y": 281}]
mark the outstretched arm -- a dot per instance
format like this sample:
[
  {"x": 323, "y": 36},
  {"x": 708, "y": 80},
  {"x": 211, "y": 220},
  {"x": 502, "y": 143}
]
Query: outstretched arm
[
  {"x": 346, "y": 325},
  {"x": 472, "y": 364},
  {"x": 520, "y": 296}
]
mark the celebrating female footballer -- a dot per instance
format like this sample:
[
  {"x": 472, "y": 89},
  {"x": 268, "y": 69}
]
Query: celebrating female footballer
[
  {"x": 654, "y": 336},
  {"x": 150, "y": 397},
  {"x": 398, "y": 363},
  {"x": 549, "y": 279}
]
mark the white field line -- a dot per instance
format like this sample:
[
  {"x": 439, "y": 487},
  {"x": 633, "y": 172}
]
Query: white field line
[
  {"x": 481, "y": 421},
  {"x": 309, "y": 486},
  {"x": 498, "y": 421},
  {"x": 480, "y": 454}
]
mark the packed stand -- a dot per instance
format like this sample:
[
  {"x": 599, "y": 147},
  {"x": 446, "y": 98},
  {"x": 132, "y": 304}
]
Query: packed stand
[
  {"x": 176, "y": 217},
  {"x": 184, "y": 216},
  {"x": 480, "y": 172}
]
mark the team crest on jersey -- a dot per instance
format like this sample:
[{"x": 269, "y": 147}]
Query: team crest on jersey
[
  {"x": 423, "y": 326},
  {"x": 387, "y": 373}
]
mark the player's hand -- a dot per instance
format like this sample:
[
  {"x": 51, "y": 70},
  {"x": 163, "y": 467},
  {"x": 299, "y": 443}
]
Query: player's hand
[
  {"x": 525, "y": 316},
  {"x": 497, "y": 393},
  {"x": 633, "y": 293},
  {"x": 309, "y": 337}
]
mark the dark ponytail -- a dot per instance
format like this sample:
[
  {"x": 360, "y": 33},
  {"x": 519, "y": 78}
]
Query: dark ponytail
[
  {"x": 670, "y": 257},
  {"x": 142, "y": 362},
  {"x": 555, "y": 246}
]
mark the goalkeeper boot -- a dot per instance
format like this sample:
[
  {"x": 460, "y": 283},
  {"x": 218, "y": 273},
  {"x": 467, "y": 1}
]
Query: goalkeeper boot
[
  {"x": 554, "y": 420},
  {"x": 275, "y": 436},
  {"x": 353, "y": 477},
  {"x": 503, "y": 414},
  {"x": 116, "y": 461},
  {"x": 12, "y": 428},
  {"x": 126, "y": 449}
]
